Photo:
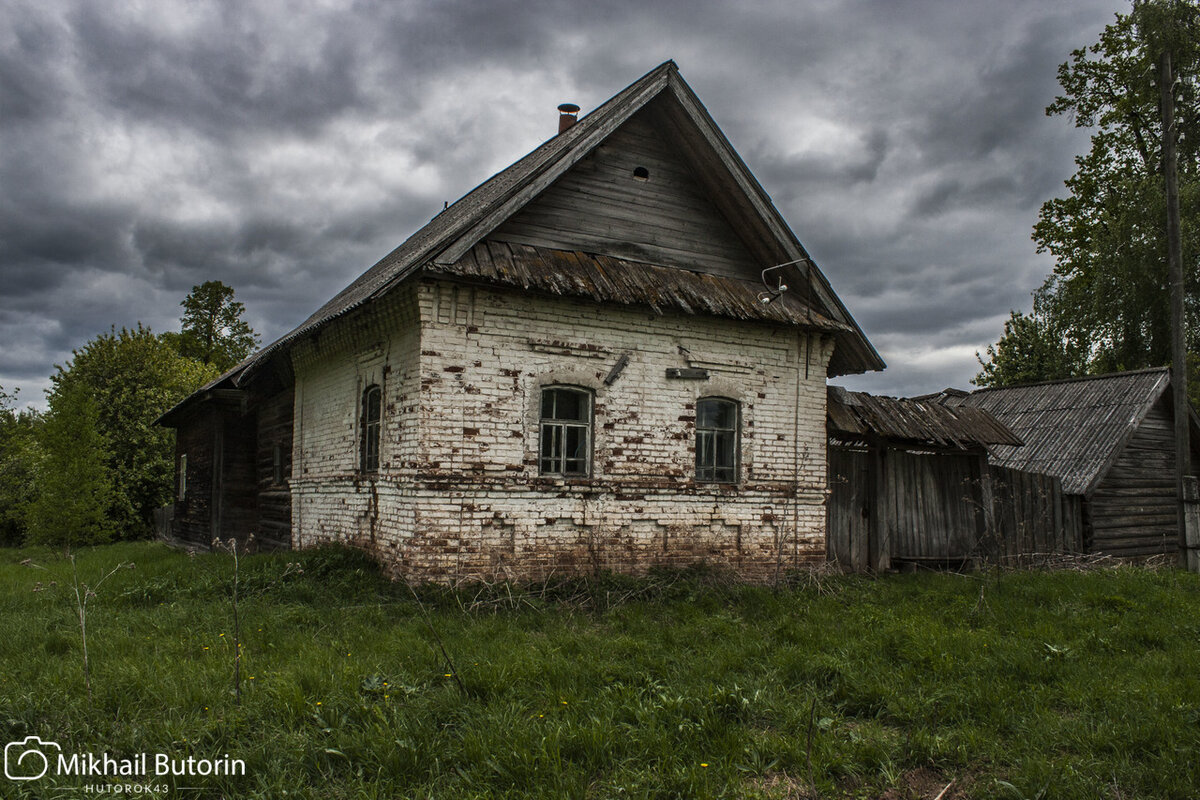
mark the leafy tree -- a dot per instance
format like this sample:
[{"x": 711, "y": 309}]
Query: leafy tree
[
  {"x": 74, "y": 492},
  {"x": 1033, "y": 348},
  {"x": 133, "y": 376},
  {"x": 18, "y": 459},
  {"x": 1108, "y": 293},
  {"x": 213, "y": 331}
]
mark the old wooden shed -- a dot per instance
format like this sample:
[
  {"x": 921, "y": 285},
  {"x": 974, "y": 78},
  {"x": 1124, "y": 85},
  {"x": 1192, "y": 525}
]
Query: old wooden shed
[
  {"x": 910, "y": 482},
  {"x": 1109, "y": 439}
]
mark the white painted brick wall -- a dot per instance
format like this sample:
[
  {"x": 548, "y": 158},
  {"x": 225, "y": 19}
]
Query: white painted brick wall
[{"x": 458, "y": 494}]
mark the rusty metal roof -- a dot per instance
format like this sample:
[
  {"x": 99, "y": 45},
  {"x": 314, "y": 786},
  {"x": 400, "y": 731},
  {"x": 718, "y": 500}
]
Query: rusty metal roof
[
  {"x": 1073, "y": 429},
  {"x": 608, "y": 279},
  {"x": 913, "y": 421}
]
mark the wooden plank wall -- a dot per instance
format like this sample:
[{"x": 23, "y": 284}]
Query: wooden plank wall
[
  {"x": 933, "y": 508},
  {"x": 275, "y": 498},
  {"x": 600, "y": 207},
  {"x": 933, "y": 505},
  {"x": 848, "y": 509},
  {"x": 1032, "y": 517}
]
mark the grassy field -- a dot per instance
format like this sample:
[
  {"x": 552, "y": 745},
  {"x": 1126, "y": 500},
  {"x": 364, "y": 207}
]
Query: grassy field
[{"x": 1017, "y": 685}]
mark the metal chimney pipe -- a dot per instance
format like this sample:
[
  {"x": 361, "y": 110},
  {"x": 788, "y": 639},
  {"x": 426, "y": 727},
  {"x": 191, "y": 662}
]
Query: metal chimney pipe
[{"x": 567, "y": 116}]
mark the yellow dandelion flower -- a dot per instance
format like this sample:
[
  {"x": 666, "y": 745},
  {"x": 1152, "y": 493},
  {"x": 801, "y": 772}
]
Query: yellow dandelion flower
[{"x": 703, "y": 764}]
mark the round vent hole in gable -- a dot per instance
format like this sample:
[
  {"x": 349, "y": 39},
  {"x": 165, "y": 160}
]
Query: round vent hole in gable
[{"x": 641, "y": 174}]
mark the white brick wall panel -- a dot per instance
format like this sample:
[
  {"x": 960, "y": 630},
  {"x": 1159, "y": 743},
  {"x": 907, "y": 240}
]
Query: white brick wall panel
[{"x": 458, "y": 494}]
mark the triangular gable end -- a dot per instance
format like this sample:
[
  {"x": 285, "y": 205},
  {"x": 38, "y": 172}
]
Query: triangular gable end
[
  {"x": 636, "y": 197},
  {"x": 664, "y": 102}
]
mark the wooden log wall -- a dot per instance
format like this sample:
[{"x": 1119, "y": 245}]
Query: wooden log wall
[
  {"x": 192, "y": 523},
  {"x": 1133, "y": 512},
  {"x": 237, "y": 491},
  {"x": 943, "y": 508}
]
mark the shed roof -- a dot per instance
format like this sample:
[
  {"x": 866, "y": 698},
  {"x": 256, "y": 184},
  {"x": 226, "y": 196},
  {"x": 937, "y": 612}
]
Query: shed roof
[
  {"x": 1073, "y": 429},
  {"x": 915, "y": 421}
]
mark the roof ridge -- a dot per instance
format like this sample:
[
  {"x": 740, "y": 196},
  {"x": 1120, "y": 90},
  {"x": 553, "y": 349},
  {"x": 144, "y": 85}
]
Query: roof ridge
[{"x": 1076, "y": 379}]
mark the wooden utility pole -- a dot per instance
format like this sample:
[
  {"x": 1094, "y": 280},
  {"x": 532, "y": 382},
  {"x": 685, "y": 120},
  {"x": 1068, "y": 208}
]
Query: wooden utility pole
[{"x": 1175, "y": 274}]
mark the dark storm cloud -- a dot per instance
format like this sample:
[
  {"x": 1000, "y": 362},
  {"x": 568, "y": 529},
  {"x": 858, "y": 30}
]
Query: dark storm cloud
[{"x": 284, "y": 148}]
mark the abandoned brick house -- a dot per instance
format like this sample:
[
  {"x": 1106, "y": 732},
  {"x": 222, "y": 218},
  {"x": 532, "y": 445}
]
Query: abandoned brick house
[{"x": 576, "y": 366}]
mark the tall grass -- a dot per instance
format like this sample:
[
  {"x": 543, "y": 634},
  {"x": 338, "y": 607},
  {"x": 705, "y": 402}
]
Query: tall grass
[{"x": 1059, "y": 685}]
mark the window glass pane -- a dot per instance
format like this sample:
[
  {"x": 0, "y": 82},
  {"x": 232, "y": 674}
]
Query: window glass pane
[
  {"x": 373, "y": 402},
  {"x": 712, "y": 412},
  {"x": 576, "y": 437},
  {"x": 372, "y": 407},
  {"x": 723, "y": 450},
  {"x": 567, "y": 404}
]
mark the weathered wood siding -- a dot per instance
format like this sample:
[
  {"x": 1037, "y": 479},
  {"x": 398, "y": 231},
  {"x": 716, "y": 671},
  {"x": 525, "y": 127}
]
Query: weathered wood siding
[
  {"x": 894, "y": 505},
  {"x": 599, "y": 206},
  {"x": 274, "y": 435},
  {"x": 1133, "y": 510},
  {"x": 195, "y": 439},
  {"x": 1031, "y": 516},
  {"x": 848, "y": 510},
  {"x": 932, "y": 507},
  {"x": 236, "y": 496}
]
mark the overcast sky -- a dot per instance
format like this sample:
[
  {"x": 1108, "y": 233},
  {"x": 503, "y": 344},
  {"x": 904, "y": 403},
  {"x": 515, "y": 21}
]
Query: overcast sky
[{"x": 149, "y": 145}]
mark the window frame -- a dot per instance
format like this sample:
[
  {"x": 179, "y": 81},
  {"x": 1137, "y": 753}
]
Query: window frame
[
  {"x": 560, "y": 428},
  {"x": 370, "y": 429},
  {"x": 711, "y": 473},
  {"x": 181, "y": 483}
]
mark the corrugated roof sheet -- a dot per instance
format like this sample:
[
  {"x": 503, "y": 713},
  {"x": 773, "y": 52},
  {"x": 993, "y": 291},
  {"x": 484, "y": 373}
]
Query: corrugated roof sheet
[
  {"x": 915, "y": 421},
  {"x": 1072, "y": 429},
  {"x": 608, "y": 279}
]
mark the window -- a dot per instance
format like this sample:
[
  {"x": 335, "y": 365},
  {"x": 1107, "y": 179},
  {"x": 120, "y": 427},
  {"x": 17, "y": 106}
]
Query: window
[
  {"x": 566, "y": 431},
  {"x": 277, "y": 464},
  {"x": 716, "y": 440},
  {"x": 372, "y": 403},
  {"x": 182, "y": 489}
]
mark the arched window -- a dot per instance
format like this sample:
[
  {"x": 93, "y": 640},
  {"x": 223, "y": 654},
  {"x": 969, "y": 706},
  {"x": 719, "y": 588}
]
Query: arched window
[
  {"x": 566, "y": 432},
  {"x": 372, "y": 408},
  {"x": 716, "y": 439}
]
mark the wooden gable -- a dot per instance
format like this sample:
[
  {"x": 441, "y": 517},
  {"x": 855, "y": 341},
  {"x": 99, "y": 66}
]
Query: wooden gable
[{"x": 635, "y": 197}]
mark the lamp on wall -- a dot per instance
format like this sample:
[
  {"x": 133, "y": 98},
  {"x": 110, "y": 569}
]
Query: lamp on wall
[{"x": 772, "y": 292}]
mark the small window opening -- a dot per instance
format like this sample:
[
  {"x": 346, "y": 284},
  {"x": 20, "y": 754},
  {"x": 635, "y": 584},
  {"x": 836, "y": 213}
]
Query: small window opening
[
  {"x": 372, "y": 406},
  {"x": 641, "y": 174},
  {"x": 182, "y": 488},
  {"x": 716, "y": 440},
  {"x": 566, "y": 432},
  {"x": 277, "y": 464}
]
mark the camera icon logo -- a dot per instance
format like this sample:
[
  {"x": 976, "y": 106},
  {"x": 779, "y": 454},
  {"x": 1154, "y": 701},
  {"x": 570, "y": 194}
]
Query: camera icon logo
[{"x": 27, "y": 760}]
